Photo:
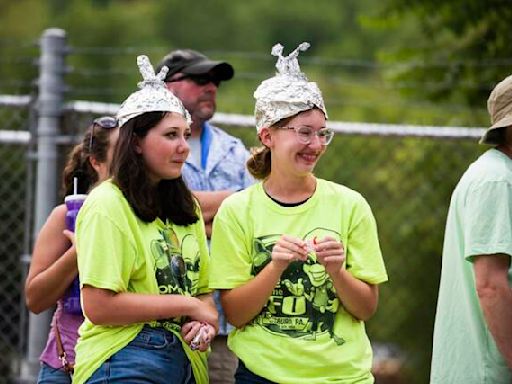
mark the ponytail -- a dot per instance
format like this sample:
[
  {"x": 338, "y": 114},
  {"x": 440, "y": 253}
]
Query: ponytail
[
  {"x": 259, "y": 162},
  {"x": 78, "y": 163},
  {"x": 79, "y": 166}
]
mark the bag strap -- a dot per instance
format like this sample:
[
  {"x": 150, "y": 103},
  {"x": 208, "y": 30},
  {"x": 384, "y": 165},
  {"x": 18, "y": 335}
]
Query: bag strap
[{"x": 61, "y": 352}]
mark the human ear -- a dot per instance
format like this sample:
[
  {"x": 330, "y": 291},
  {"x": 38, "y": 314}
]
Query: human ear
[
  {"x": 265, "y": 136},
  {"x": 136, "y": 145},
  {"x": 95, "y": 164}
]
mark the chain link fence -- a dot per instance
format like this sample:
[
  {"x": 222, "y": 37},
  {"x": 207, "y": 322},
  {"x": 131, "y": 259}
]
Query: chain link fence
[
  {"x": 406, "y": 173},
  {"x": 15, "y": 198}
]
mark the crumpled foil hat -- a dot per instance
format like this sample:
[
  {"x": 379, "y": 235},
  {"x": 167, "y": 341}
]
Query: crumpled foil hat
[
  {"x": 288, "y": 92},
  {"x": 152, "y": 96}
]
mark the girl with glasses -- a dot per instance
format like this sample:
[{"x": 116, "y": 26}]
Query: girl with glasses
[
  {"x": 142, "y": 253},
  {"x": 54, "y": 267},
  {"x": 297, "y": 258}
]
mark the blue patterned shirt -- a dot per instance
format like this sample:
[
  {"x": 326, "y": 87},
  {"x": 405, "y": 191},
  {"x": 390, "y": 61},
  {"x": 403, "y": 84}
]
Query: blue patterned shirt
[{"x": 222, "y": 167}]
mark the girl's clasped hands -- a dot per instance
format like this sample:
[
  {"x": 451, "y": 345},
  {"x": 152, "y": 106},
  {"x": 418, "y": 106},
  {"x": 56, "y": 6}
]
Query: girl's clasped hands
[
  {"x": 329, "y": 252},
  {"x": 198, "y": 334}
]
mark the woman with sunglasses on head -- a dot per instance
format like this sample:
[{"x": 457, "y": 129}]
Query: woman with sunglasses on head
[
  {"x": 142, "y": 254},
  {"x": 53, "y": 268},
  {"x": 297, "y": 258}
]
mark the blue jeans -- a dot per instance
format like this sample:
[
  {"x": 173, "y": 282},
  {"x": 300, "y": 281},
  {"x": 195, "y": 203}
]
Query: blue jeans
[
  {"x": 50, "y": 375},
  {"x": 244, "y": 376},
  {"x": 155, "y": 356}
]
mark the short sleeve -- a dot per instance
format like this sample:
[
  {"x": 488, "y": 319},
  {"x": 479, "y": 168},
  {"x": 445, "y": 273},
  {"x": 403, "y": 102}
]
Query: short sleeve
[
  {"x": 364, "y": 257},
  {"x": 488, "y": 219},
  {"x": 105, "y": 255},
  {"x": 230, "y": 252}
]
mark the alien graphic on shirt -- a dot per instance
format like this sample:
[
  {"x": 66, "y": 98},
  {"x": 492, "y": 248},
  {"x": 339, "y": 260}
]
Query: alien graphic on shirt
[
  {"x": 304, "y": 302},
  {"x": 176, "y": 262}
]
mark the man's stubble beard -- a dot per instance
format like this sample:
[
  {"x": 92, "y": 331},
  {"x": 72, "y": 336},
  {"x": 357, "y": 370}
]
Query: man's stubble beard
[{"x": 205, "y": 113}]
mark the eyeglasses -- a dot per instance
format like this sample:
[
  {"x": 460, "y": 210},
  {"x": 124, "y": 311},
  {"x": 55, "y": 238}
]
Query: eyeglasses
[
  {"x": 202, "y": 79},
  {"x": 105, "y": 122},
  {"x": 305, "y": 134}
]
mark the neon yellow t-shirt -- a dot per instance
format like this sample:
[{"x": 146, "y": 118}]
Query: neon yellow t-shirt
[
  {"x": 119, "y": 252},
  {"x": 303, "y": 334}
]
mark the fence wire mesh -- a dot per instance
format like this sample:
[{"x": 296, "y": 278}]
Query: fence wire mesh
[
  {"x": 14, "y": 185},
  {"x": 407, "y": 181}
]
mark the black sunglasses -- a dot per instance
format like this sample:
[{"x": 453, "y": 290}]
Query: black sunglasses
[
  {"x": 105, "y": 122},
  {"x": 202, "y": 79}
]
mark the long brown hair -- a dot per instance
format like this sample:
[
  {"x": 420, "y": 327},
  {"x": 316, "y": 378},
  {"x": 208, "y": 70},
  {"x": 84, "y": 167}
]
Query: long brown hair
[
  {"x": 170, "y": 199},
  {"x": 78, "y": 161}
]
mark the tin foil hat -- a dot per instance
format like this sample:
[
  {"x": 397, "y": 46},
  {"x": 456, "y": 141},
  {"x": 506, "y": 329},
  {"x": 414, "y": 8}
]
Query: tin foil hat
[
  {"x": 287, "y": 93},
  {"x": 152, "y": 96}
]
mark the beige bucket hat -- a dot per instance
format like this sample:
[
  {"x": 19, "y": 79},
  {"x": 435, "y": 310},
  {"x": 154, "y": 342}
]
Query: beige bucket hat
[{"x": 499, "y": 106}]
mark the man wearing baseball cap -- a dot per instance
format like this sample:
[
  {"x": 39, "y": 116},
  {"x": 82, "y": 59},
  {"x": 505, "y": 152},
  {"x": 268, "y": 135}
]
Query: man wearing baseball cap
[
  {"x": 215, "y": 167},
  {"x": 473, "y": 327}
]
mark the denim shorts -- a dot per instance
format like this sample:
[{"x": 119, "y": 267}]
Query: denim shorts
[
  {"x": 154, "y": 356},
  {"x": 50, "y": 375},
  {"x": 244, "y": 376}
]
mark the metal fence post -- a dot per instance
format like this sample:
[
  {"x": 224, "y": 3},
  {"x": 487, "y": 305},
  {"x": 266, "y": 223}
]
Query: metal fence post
[{"x": 50, "y": 104}]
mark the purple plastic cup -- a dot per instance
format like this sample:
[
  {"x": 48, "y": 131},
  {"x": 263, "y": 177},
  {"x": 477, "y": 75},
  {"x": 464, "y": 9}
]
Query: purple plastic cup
[
  {"x": 73, "y": 204},
  {"x": 71, "y": 299}
]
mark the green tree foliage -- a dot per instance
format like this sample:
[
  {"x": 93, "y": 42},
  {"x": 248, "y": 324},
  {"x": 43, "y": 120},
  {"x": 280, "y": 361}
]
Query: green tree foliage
[
  {"x": 461, "y": 52},
  {"x": 353, "y": 56}
]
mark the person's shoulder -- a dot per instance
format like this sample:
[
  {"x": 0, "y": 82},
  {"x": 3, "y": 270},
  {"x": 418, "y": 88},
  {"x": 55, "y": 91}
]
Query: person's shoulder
[
  {"x": 338, "y": 190},
  {"x": 243, "y": 195},
  {"x": 106, "y": 196},
  {"x": 59, "y": 211},
  {"x": 58, "y": 215},
  {"x": 104, "y": 189},
  {"x": 239, "y": 206},
  {"x": 348, "y": 201},
  {"x": 240, "y": 199},
  {"x": 218, "y": 131},
  {"x": 491, "y": 167},
  {"x": 224, "y": 136}
]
